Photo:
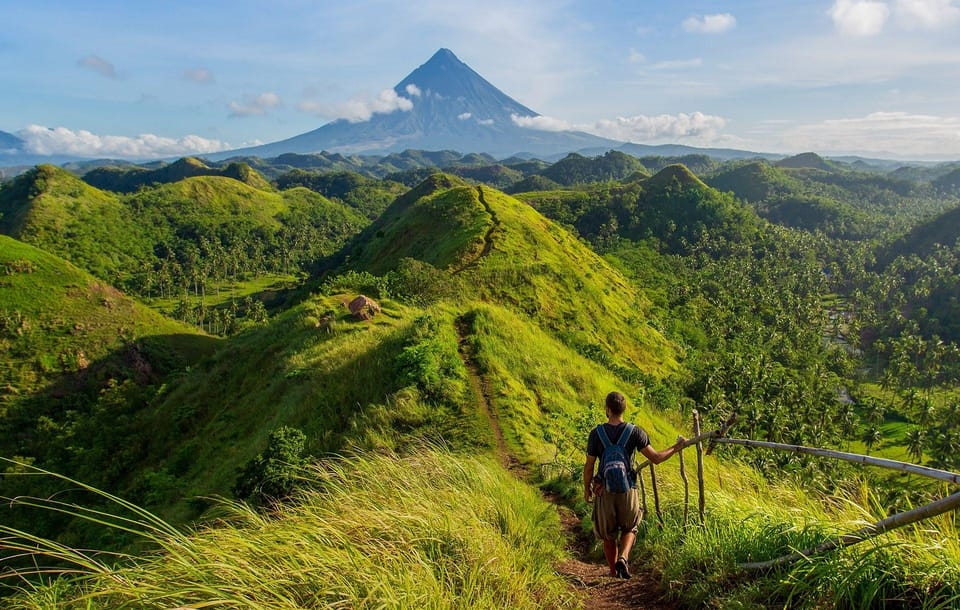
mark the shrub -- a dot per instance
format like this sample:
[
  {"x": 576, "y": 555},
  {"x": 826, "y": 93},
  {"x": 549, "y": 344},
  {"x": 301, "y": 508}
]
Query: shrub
[{"x": 274, "y": 474}]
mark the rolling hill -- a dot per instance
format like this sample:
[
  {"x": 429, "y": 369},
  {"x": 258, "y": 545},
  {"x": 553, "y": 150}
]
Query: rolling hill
[
  {"x": 138, "y": 240},
  {"x": 80, "y": 359},
  {"x": 514, "y": 256},
  {"x": 130, "y": 179}
]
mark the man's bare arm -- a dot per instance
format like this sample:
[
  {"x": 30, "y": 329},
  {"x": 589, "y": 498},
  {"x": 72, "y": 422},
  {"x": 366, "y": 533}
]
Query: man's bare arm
[
  {"x": 588, "y": 477},
  {"x": 656, "y": 457}
]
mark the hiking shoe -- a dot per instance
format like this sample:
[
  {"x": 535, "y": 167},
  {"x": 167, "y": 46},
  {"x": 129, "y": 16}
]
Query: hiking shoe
[{"x": 622, "y": 570}]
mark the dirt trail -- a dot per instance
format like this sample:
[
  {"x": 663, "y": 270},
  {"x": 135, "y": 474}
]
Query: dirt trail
[
  {"x": 487, "y": 237},
  {"x": 587, "y": 578}
]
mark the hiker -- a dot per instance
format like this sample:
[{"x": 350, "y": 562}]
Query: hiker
[{"x": 616, "y": 509}]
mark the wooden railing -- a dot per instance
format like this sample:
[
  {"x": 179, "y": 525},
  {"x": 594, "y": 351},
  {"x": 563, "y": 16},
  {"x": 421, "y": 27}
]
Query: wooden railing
[{"x": 937, "y": 507}]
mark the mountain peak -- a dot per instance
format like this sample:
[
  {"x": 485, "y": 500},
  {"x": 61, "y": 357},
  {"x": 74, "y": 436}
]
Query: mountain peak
[
  {"x": 450, "y": 107},
  {"x": 444, "y": 55}
]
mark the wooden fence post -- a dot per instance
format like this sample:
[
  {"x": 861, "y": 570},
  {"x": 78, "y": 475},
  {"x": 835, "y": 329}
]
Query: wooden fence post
[
  {"x": 700, "y": 488},
  {"x": 686, "y": 491},
  {"x": 656, "y": 495},
  {"x": 643, "y": 494}
]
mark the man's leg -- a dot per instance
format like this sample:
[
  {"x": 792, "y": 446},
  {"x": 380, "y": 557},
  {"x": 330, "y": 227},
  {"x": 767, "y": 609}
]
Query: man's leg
[
  {"x": 626, "y": 544},
  {"x": 610, "y": 552}
]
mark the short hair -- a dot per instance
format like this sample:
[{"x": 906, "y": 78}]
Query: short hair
[{"x": 617, "y": 403}]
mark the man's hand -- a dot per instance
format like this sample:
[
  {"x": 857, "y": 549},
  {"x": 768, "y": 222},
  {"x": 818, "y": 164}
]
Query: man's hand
[{"x": 594, "y": 490}]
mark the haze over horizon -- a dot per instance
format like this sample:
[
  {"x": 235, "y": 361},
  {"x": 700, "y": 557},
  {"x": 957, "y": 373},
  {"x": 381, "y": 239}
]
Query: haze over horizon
[{"x": 870, "y": 77}]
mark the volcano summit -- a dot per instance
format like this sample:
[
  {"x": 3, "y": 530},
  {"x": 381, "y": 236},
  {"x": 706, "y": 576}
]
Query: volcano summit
[{"x": 443, "y": 104}]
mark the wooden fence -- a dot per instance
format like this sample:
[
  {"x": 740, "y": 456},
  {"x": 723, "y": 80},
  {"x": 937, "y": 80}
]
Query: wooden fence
[{"x": 943, "y": 505}]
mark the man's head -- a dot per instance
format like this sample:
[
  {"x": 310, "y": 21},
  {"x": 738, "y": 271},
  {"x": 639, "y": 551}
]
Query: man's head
[{"x": 616, "y": 403}]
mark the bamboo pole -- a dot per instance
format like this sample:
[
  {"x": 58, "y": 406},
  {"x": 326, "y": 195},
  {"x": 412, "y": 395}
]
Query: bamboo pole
[
  {"x": 699, "y": 438},
  {"x": 686, "y": 491},
  {"x": 933, "y": 473},
  {"x": 890, "y": 523},
  {"x": 643, "y": 494},
  {"x": 656, "y": 495},
  {"x": 701, "y": 497}
]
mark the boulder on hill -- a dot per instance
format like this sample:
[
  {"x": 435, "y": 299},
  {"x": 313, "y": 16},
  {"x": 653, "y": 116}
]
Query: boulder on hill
[{"x": 363, "y": 308}]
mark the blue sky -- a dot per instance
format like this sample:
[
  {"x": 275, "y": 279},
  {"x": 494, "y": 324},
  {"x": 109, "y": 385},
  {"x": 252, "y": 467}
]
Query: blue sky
[{"x": 138, "y": 79}]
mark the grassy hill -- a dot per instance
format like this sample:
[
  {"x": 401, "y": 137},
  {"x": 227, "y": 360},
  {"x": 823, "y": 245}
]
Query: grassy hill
[
  {"x": 78, "y": 360},
  {"x": 53, "y": 210},
  {"x": 177, "y": 235},
  {"x": 754, "y": 182},
  {"x": 510, "y": 254},
  {"x": 131, "y": 179},
  {"x": 806, "y": 160},
  {"x": 577, "y": 169}
]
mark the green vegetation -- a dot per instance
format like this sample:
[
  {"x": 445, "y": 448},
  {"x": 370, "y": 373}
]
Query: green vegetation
[
  {"x": 781, "y": 292},
  {"x": 178, "y": 240},
  {"x": 129, "y": 180},
  {"x": 432, "y": 530},
  {"x": 577, "y": 169}
]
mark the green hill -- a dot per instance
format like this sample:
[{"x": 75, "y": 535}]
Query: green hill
[
  {"x": 673, "y": 207},
  {"x": 53, "y": 210},
  {"x": 78, "y": 361},
  {"x": 535, "y": 182},
  {"x": 807, "y": 160},
  {"x": 185, "y": 233},
  {"x": 366, "y": 195},
  {"x": 128, "y": 180},
  {"x": 498, "y": 176},
  {"x": 512, "y": 255},
  {"x": 754, "y": 182},
  {"x": 577, "y": 169},
  {"x": 948, "y": 183}
]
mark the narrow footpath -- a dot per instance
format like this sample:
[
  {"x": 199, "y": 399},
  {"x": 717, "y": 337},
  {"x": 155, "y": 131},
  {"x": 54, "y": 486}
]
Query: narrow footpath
[{"x": 586, "y": 576}]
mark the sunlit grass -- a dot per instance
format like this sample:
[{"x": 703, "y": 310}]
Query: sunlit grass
[{"x": 433, "y": 530}]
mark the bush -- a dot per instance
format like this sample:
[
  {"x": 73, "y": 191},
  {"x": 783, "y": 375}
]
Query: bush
[{"x": 274, "y": 474}]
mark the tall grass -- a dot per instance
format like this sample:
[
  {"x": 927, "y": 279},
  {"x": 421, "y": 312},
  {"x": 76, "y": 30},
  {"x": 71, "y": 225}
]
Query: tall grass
[
  {"x": 432, "y": 530},
  {"x": 748, "y": 520}
]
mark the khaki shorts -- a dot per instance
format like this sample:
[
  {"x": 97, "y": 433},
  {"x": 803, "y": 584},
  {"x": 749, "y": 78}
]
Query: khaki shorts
[{"x": 614, "y": 514}]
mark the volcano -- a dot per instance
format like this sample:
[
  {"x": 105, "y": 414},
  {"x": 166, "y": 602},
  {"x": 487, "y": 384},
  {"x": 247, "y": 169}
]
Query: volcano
[{"x": 448, "y": 107}]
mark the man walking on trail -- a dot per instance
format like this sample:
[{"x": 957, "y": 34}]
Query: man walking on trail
[{"x": 616, "y": 509}]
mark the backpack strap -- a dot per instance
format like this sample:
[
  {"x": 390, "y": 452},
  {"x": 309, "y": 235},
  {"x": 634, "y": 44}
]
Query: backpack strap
[
  {"x": 625, "y": 435},
  {"x": 602, "y": 435}
]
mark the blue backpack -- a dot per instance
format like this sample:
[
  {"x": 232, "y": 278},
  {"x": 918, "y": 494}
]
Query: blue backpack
[{"x": 614, "y": 464}]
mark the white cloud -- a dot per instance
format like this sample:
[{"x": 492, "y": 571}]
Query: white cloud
[
  {"x": 542, "y": 123},
  {"x": 897, "y": 134},
  {"x": 926, "y": 14},
  {"x": 62, "y": 141},
  {"x": 256, "y": 106},
  {"x": 678, "y": 64},
  {"x": 859, "y": 17},
  {"x": 638, "y": 128},
  {"x": 644, "y": 128},
  {"x": 359, "y": 109},
  {"x": 636, "y": 57},
  {"x": 99, "y": 65},
  {"x": 710, "y": 24},
  {"x": 485, "y": 121},
  {"x": 198, "y": 75},
  {"x": 413, "y": 90},
  {"x": 464, "y": 116}
]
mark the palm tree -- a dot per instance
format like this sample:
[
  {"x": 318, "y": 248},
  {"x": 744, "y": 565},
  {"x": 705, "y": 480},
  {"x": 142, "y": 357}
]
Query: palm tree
[
  {"x": 871, "y": 437},
  {"x": 916, "y": 441}
]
